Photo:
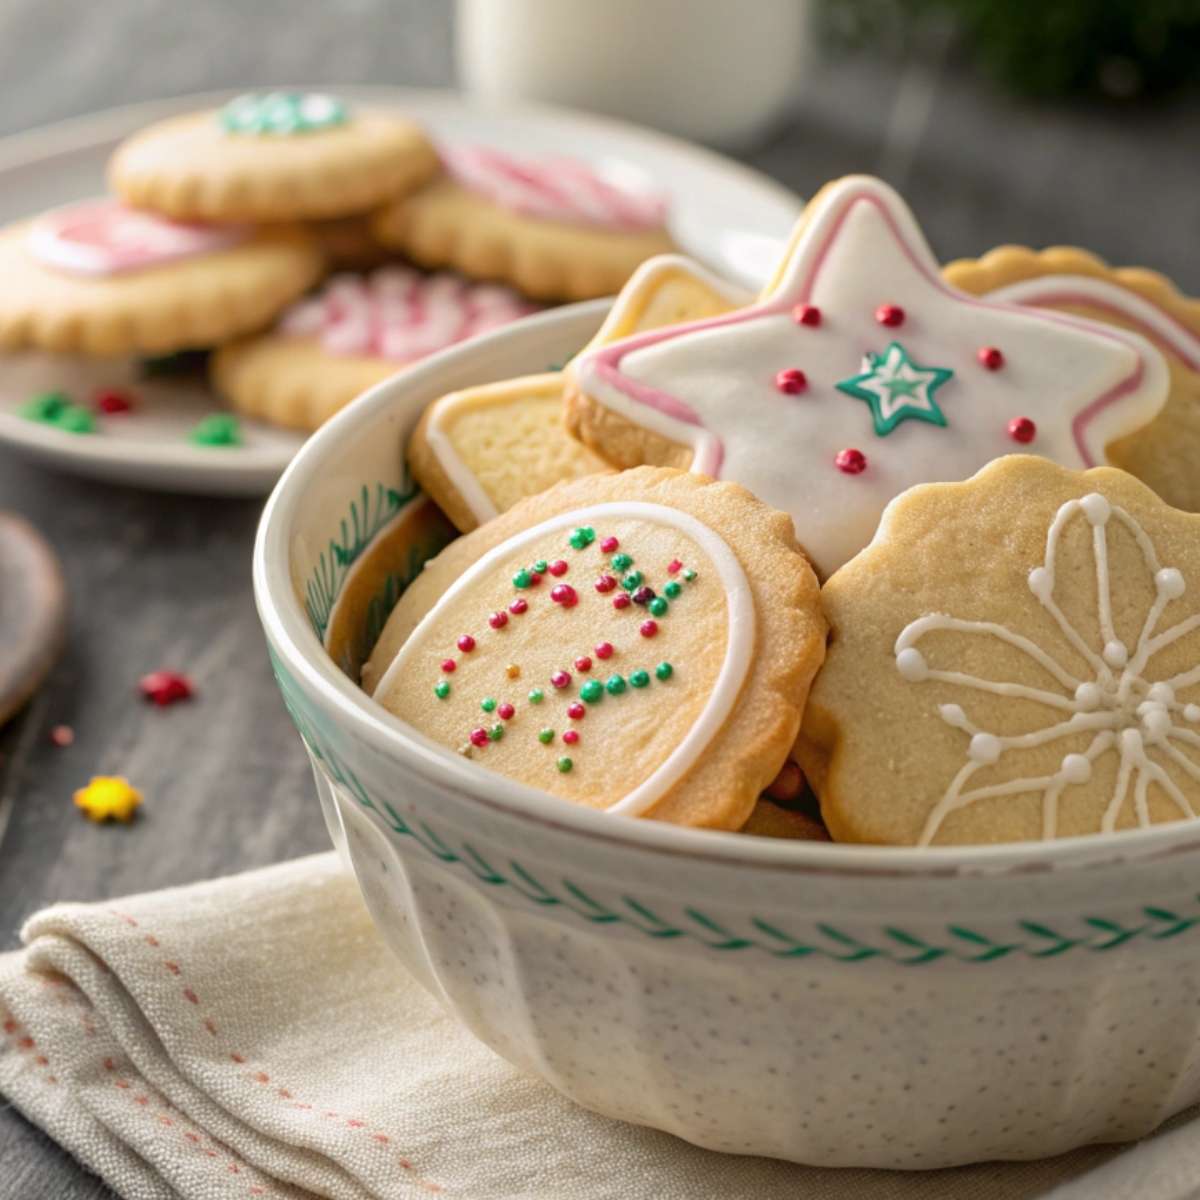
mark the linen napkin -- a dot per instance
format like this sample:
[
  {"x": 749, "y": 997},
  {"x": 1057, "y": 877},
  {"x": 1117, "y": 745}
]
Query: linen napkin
[{"x": 253, "y": 1037}]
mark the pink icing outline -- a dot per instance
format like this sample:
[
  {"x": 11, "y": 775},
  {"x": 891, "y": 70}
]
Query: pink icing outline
[{"x": 606, "y": 361}]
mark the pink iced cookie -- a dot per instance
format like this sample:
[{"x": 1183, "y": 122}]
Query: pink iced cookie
[{"x": 103, "y": 237}]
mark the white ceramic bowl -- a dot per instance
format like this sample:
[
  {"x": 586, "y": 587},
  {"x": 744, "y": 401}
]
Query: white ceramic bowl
[{"x": 830, "y": 1004}]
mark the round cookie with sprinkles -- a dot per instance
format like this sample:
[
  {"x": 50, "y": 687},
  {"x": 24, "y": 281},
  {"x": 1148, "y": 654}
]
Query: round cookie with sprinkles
[
  {"x": 861, "y": 372},
  {"x": 1015, "y": 657},
  {"x": 99, "y": 278},
  {"x": 272, "y": 156},
  {"x": 553, "y": 227},
  {"x": 641, "y": 643},
  {"x": 359, "y": 329}
]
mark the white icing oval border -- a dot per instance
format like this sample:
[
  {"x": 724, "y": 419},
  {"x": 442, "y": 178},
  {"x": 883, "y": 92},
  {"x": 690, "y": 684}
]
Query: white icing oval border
[{"x": 739, "y": 642}]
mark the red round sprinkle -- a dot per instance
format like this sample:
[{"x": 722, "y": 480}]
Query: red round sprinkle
[
  {"x": 648, "y": 628},
  {"x": 165, "y": 687},
  {"x": 534, "y": 578},
  {"x": 110, "y": 401},
  {"x": 622, "y": 601},
  {"x": 479, "y": 737},
  {"x": 505, "y": 711},
  {"x": 498, "y": 620},
  {"x": 604, "y": 649},
  {"x": 851, "y": 461},
  {"x": 560, "y": 679},
  {"x": 576, "y": 711},
  {"x": 890, "y": 314},
  {"x": 605, "y": 583},
  {"x": 609, "y": 545},
  {"x": 583, "y": 663},
  {"x": 449, "y": 665},
  {"x": 558, "y": 567},
  {"x": 570, "y": 736},
  {"x": 792, "y": 381},
  {"x": 564, "y": 594},
  {"x": 806, "y": 314},
  {"x": 62, "y": 735},
  {"x": 518, "y": 606},
  {"x": 674, "y": 567},
  {"x": 990, "y": 357},
  {"x": 1022, "y": 429},
  {"x": 466, "y": 643}
]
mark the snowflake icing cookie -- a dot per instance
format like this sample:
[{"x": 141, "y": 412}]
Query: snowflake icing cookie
[
  {"x": 274, "y": 156},
  {"x": 1164, "y": 453},
  {"x": 1032, "y": 642},
  {"x": 480, "y": 450},
  {"x": 553, "y": 227},
  {"x": 327, "y": 349},
  {"x": 641, "y": 643},
  {"x": 101, "y": 279},
  {"x": 860, "y": 373}
]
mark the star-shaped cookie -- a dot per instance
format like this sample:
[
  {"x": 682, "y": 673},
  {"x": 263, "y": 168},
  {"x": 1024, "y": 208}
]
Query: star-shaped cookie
[
  {"x": 480, "y": 450},
  {"x": 755, "y": 395}
]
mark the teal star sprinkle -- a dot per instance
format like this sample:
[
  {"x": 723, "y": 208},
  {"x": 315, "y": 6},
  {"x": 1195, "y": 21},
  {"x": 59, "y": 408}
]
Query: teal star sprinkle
[{"x": 897, "y": 389}]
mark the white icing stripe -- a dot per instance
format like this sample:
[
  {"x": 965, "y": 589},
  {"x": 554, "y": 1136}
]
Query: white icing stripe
[
  {"x": 932, "y": 410},
  {"x": 1130, "y": 714},
  {"x": 400, "y": 314},
  {"x": 740, "y": 631},
  {"x": 1083, "y": 291},
  {"x": 653, "y": 273}
]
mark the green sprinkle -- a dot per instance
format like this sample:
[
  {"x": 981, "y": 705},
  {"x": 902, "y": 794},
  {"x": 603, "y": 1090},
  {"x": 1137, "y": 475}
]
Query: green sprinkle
[
  {"x": 621, "y": 562},
  {"x": 664, "y": 670},
  {"x": 536, "y": 696},
  {"x": 487, "y": 704},
  {"x": 74, "y": 419},
  {"x": 545, "y": 736},
  {"x": 45, "y": 406},
  {"x": 672, "y": 589},
  {"x": 441, "y": 689},
  {"x": 217, "y": 429},
  {"x": 639, "y": 679},
  {"x": 614, "y": 685},
  {"x": 632, "y": 580},
  {"x": 541, "y": 566},
  {"x": 522, "y": 579},
  {"x": 592, "y": 691},
  {"x": 689, "y": 574},
  {"x": 658, "y": 606},
  {"x": 496, "y": 732},
  {"x": 564, "y": 765},
  {"x": 583, "y": 536}
]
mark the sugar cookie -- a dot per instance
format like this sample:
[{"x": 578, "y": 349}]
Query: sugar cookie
[
  {"x": 1013, "y": 657},
  {"x": 328, "y": 349},
  {"x": 98, "y": 278},
  {"x": 1165, "y": 453},
  {"x": 554, "y": 228},
  {"x": 276, "y": 156},
  {"x": 641, "y": 643},
  {"x": 480, "y": 450},
  {"x": 858, "y": 374}
]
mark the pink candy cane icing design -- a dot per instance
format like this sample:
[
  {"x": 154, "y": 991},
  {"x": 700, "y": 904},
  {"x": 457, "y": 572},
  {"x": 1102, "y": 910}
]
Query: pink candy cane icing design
[
  {"x": 553, "y": 188},
  {"x": 400, "y": 314},
  {"x": 103, "y": 237}
]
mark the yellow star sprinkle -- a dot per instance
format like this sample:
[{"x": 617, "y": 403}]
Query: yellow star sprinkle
[{"x": 108, "y": 797}]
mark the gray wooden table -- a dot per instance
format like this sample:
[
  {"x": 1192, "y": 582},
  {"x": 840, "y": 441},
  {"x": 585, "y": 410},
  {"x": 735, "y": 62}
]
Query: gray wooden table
[{"x": 162, "y": 581}]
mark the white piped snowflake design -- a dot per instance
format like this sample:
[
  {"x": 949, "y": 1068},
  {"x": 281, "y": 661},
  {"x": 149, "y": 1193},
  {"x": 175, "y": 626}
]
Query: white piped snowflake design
[{"x": 1141, "y": 720}]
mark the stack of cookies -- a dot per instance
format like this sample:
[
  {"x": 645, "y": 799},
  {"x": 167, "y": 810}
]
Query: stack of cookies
[
  {"x": 890, "y": 554},
  {"x": 221, "y": 224}
]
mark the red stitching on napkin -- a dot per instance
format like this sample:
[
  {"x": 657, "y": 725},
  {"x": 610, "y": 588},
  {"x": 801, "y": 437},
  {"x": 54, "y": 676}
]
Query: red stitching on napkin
[
  {"x": 263, "y": 1079},
  {"x": 24, "y": 1044}
]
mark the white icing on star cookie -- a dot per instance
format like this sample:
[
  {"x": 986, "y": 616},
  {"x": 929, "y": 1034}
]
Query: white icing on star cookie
[
  {"x": 1126, "y": 710},
  {"x": 861, "y": 373}
]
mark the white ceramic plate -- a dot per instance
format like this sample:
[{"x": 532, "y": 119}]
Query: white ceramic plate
[{"x": 727, "y": 215}]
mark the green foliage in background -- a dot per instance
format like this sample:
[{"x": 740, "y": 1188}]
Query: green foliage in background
[{"x": 1116, "y": 48}]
